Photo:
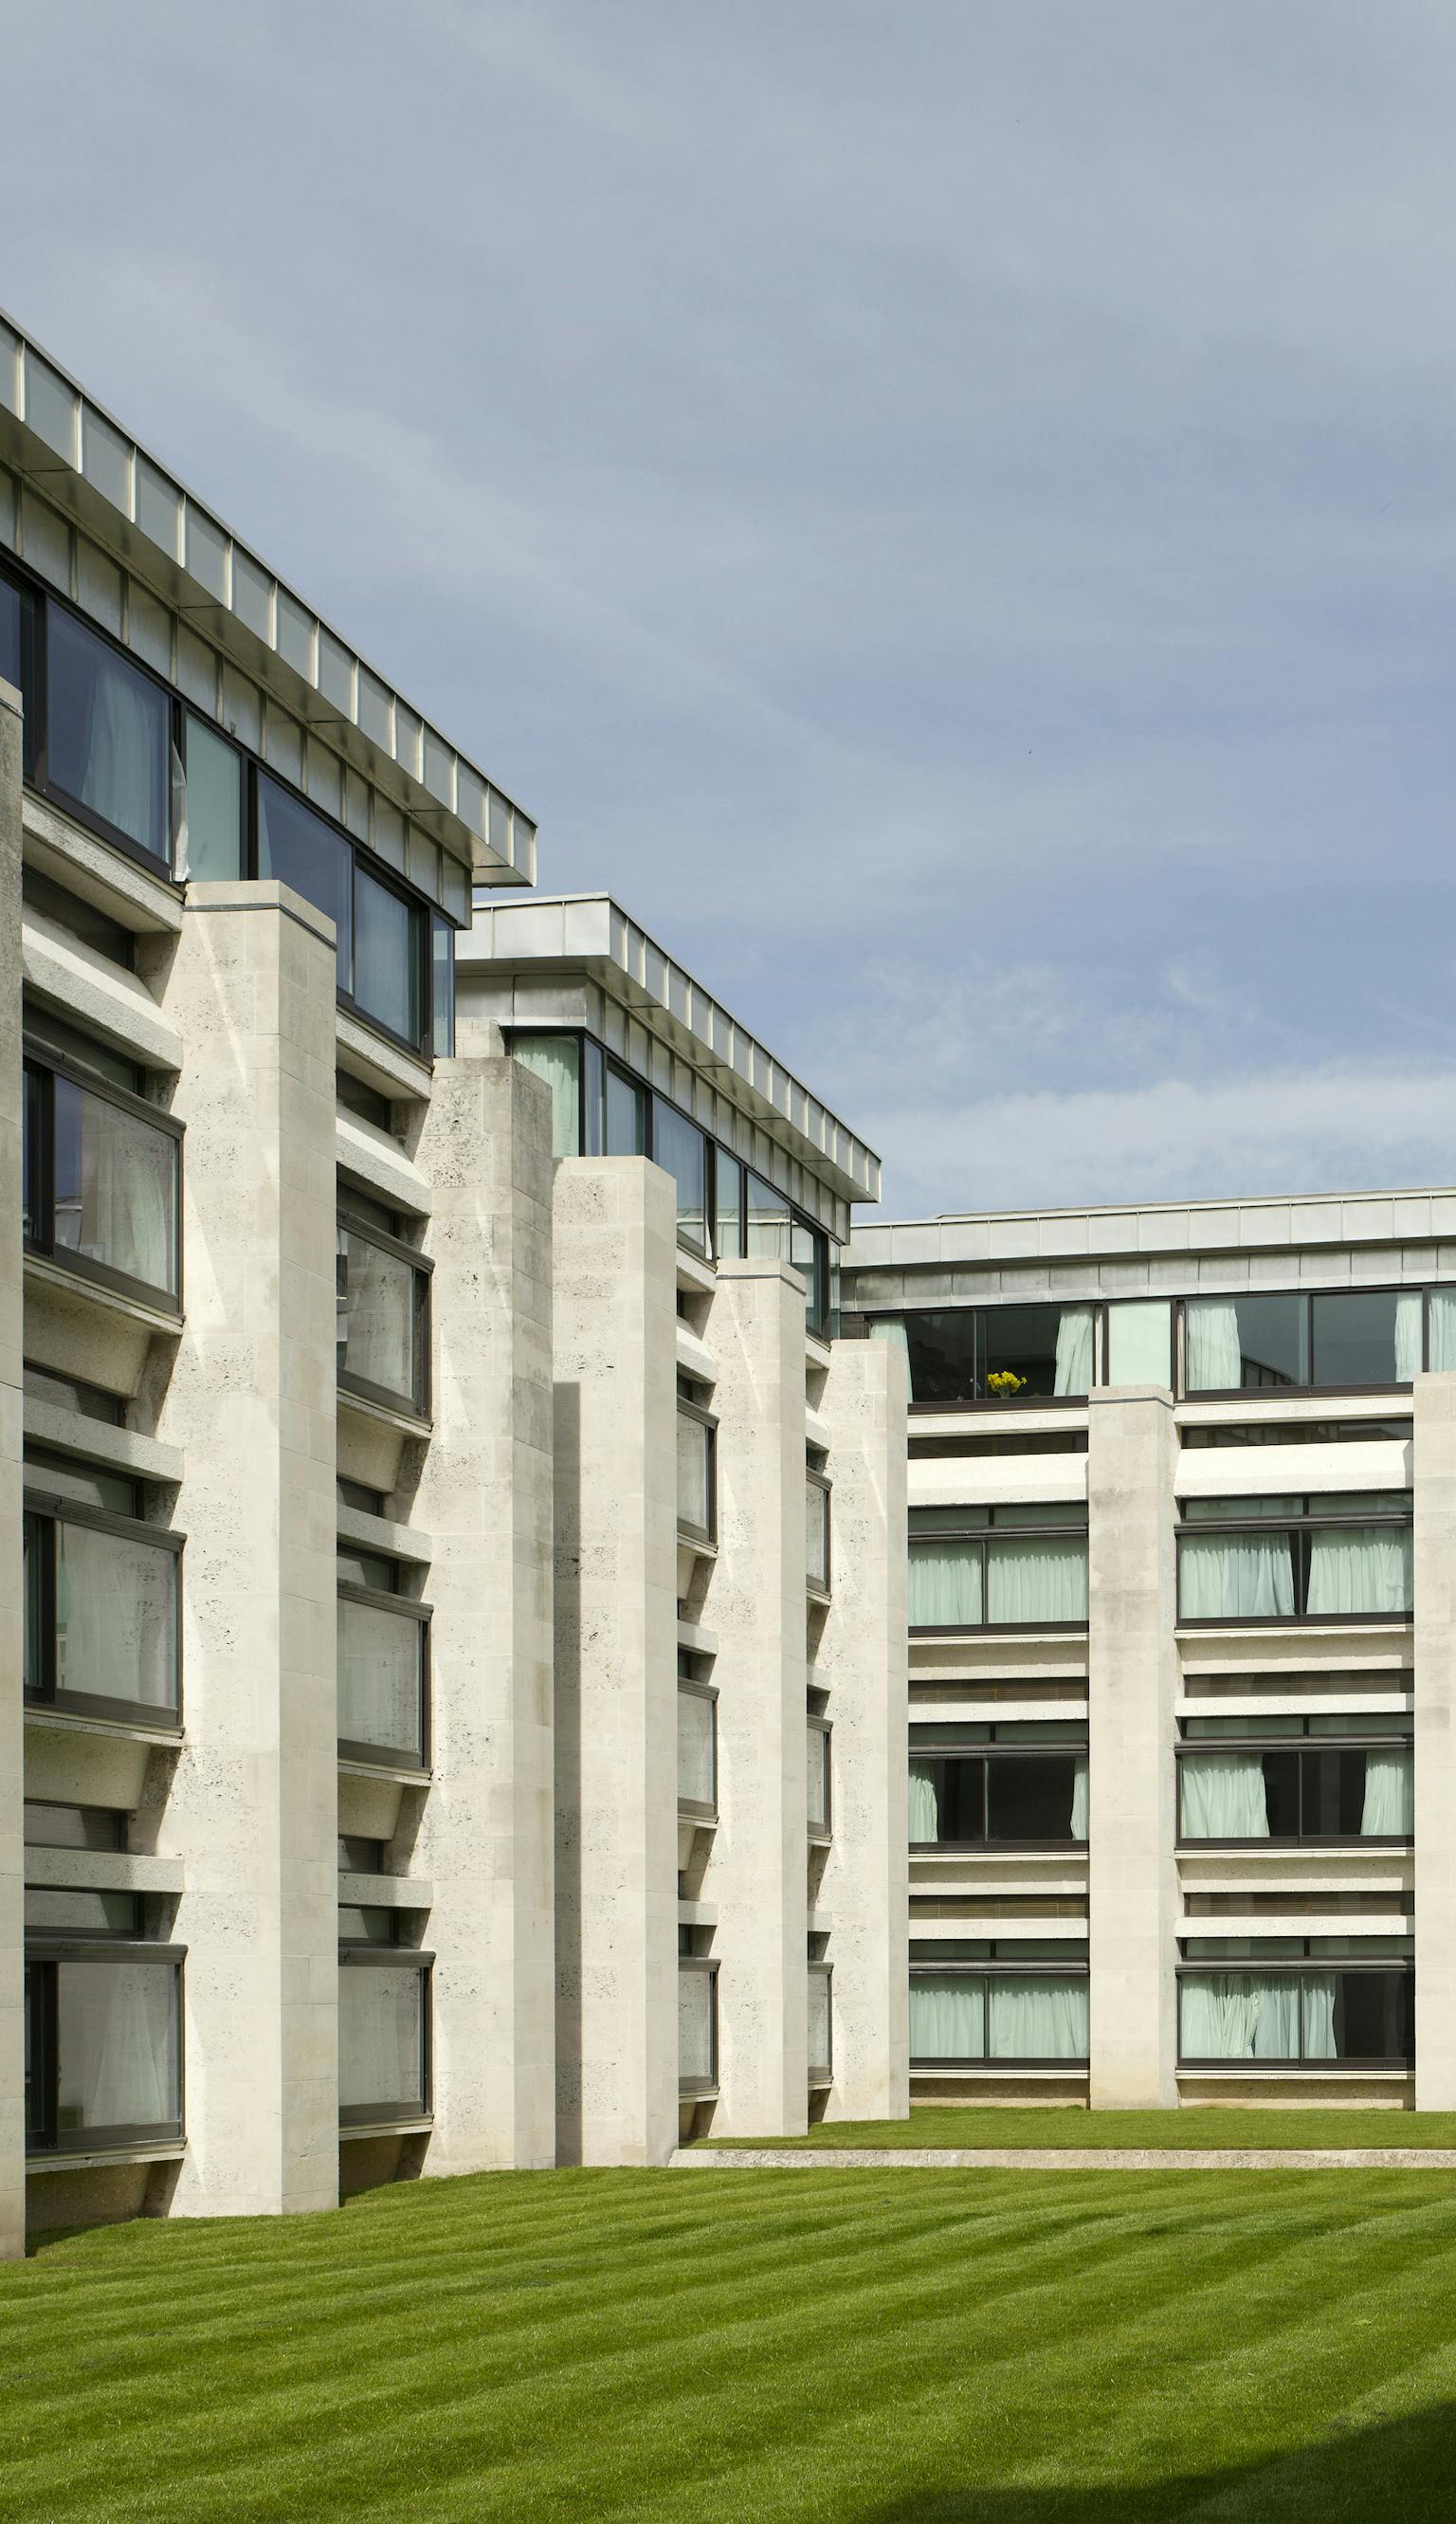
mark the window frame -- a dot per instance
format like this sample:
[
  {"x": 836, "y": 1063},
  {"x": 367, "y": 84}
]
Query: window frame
[
  {"x": 1299, "y": 1745},
  {"x": 1001, "y": 1969},
  {"x": 821, "y": 1834},
  {"x": 420, "y": 1406},
  {"x": 1422, "y": 1289},
  {"x": 693, "y": 1809},
  {"x": 51, "y": 1510},
  {"x": 983, "y": 1535},
  {"x": 159, "y": 865},
  {"x": 410, "y": 1608},
  {"x": 821, "y": 2072},
  {"x": 43, "y": 1955},
  {"x": 978, "y": 1399},
  {"x": 700, "y": 2089},
  {"x": 1285, "y": 1965},
  {"x": 357, "y": 1955},
  {"x": 821, "y": 1589},
  {"x": 1070, "y": 1748},
  {"x": 39, "y": 1057},
  {"x": 705, "y": 1538},
  {"x": 1301, "y": 1527}
]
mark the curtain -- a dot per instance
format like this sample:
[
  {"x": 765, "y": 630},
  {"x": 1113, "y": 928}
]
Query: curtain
[
  {"x": 108, "y": 734},
  {"x": 1361, "y": 1569},
  {"x": 1319, "y": 2016},
  {"x": 1037, "y": 1579},
  {"x": 116, "y": 2045},
  {"x": 1043, "y": 2016},
  {"x": 1079, "y": 1797},
  {"x": 378, "y": 1669},
  {"x": 1444, "y": 1330},
  {"x": 379, "y": 2034},
  {"x": 1220, "y": 1797},
  {"x": 1240, "y": 2016},
  {"x": 115, "y": 1180},
  {"x": 1074, "y": 1352},
  {"x": 1214, "y": 1361},
  {"x": 1233, "y": 1576},
  {"x": 376, "y": 1316},
  {"x": 947, "y": 2016},
  {"x": 891, "y": 1328},
  {"x": 924, "y": 1806},
  {"x": 1408, "y": 1306},
  {"x": 695, "y": 2026},
  {"x": 115, "y": 1616},
  {"x": 1390, "y": 1807},
  {"x": 945, "y": 1586},
  {"x": 1140, "y": 1348}
]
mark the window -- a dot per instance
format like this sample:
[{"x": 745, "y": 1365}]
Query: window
[
  {"x": 18, "y": 653},
  {"x": 1340, "y": 2012},
  {"x": 300, "y": 849},
  {"x": 358, "y": 1856},
  {"x": 1001, "y": 1568},
  {"x": 383, "y": 1666},
  {"x": 70, "y": 1394},
  {"x": 728, "y": 1208},
  {"x": 101, "y": 1609},
  {"x": 1140, "y": 1341},
  {"x": 80, "y": 920},
  {"x": 817, "y": 1735},
  {"x": 387, "y": 950},
  {"x": 978, "y": 2011},
  {"x": 626, "y": 1115},
  {"x": 1296, "y": 1432},
  {"x": 697, "y": 1750},
  {"x": 108, "y": 738},
  {"x": 103, "y": 2045},
  {"x": 816, "y": 1491},
  {"x": 555, "y": 1058},
  {"x": 384, "y": 1324},
  {"x": 383, "y": 2033},
  {"x": 998, "y": 1353},
  {"x": 697, "y": 1486},
  {"x": 59, "y": 1826},
  {"x": 680, "y": 1151},
  {"x": 102, "y": 1180},
  {"x": 214, "y": 803},
  {"x": 820, "y": 2023},
  {"x": 54, "y": 1910},
  {"x": 389, "y": 983},
  {"x": 696, "y": 2026},
  {"x": 1282, "y": 1778},
  {"x": 1336, "y": 1337},
  {"x": 1341, "y": 1556},
  {"x": 1015, "y": 1783},
  {"x": 442, "y": 986}
]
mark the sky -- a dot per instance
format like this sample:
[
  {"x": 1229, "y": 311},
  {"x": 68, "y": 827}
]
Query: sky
[{"x": 944, "y": 509}]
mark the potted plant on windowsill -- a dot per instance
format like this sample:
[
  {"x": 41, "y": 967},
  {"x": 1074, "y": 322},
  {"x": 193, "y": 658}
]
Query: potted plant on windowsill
[{"x": 1005, "y": 1383}]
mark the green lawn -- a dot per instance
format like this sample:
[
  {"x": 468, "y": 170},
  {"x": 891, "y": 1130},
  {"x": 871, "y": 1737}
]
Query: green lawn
[
  {"x": 1067, "y": 2125},
  {"x": 817, "y": 2347}
]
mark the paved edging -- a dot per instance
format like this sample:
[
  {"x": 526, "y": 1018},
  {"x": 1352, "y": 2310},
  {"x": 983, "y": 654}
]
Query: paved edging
[{"x": 1067, "y": 2160}]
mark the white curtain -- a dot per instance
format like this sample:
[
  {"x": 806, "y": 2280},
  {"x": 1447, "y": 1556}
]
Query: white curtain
[
  {"x": 945, "y": 1586},
  {"x": 1043, "y": 2016},
  {"x": 554, "y": 1058},
  {"x": 115, "y": 1180},
  {"x": 1390, "y": 1807},
  {"x": 1444, "y": 1330},
  {"x": 1240, "y": 2016},
  {"x": 378, "y": 1669},
  {"x": 924, "y": 1806},
  {"x": 695, "y": 2025},
  {"x": 1074, "y": 1352},
  {"x": 947, "y": 2016},
  {"x": 1408, "y": 1310},
  {"x": 1361, "y": 1569},
  {"x": 1319, "y": 2016},
  {"x": 1220, "y": 1797},
  {"x": 1213, "y": 1361},
  {"x": 379, "y": 2034},
  {"x": 1140, "y": 1348},
  {"x": 1235, "y": 1576},
  {"x": 110, "y": 747},
  {"x": 115, "y": 1616},
  {"x": 1079, "y": 1797},
  {"x": 1037, "y": 1578},
  {"x": 116, "y": 2045}
]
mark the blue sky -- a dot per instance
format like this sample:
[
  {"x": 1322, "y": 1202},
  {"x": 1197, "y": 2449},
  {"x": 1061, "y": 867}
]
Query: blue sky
[{"x": 945, "y": 508}]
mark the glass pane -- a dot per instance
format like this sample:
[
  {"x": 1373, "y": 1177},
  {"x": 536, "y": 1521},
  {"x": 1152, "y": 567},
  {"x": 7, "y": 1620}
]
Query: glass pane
[
  {"x": 369, "y": 1568},
  {"x": 728, "y": 1178},
  {"x": 366, "y": 1923},
  {"x": 1140, "y": 1342},
  {"x": 1042, "y": 2015},
  {"x": 388, "y": 956},
  {"x": 62, "y": 1477},
  {"x": 116, "y": 1187},
  {"x": 820, "y": 2030},
  {"x": 117, "y": 2046},
  {"x": 1370, "y": 2015},
  {"x": 942, "y": 1355},
  {"x": 555, "y": 1058},
  {"x": 49, "y": 1826},
  {"x": 816, "y": 1534},
  {"x": 947, "y": 2016},
  {"x": 697, "y": 2006},
  {"x": 1239, "y": 2015},
  {"x": 442, "y": 988},
  {"x": 694, "y": 1486},
  {"x": 53, "y": 1912},
  {"x": 626, "y": 1116},
  {"x": 1036, "y": 1349},
  {"x": 108, "y": 734},
  {"x": 16, "y": 637},
  {"x": 769, "y": 1225},
  {"x": 378, "y": 1335},
  {"x": 1247, "y": 1343},
  {"x": 696, "y": 1768},
  {"x": 1037, "y": 1578},
  {"x": 300, "y": 849},
  {"x": 1235, "y": 1577},
  {"x": 1220, "y": 1797},
  {"x": 816, "y": 1759},
  {"x": 808, "y": 1253},
  {"x": 381, "y": 2036},
  {"x": 1367, "y": 1336},
  {"x": 945, "y": 1585},
  {"x": 947, "y": 1800},
  {"x": 680, "y": 1150},
  {"x": 1031, "y": 1798},
  {"x": 380, "y": 1663},
  {"x": 214, "y": 805},
  {"x": 116, "y": 1618},
  {"x": 1361, "y": 1569}
]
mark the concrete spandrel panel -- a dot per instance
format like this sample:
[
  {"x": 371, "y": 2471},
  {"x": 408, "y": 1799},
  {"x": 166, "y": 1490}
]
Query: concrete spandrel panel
[
  {"x": 1067, "y": 1234},
  {"x": 1315, "y": 1221},
  {"x": 965, "y": 1239},
  {"x": 975, "y": 1480},
  {"x": 587, "y": 928},
  {"x": 1164, "y": 1231},
  {"x": 1262, "y": 1226},
  {"x": 1368, "y": 1221},
  {"x": 915, "y": 1244},
  {"x": 1243, "y": 1472},
  {"x": 528, "y": 929}
]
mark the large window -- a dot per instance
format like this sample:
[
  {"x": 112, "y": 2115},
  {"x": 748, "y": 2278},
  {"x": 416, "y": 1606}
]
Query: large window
[
  {"x": 384, "y": 2031},
  {"x": 696, "y": 2026},
  {"x": 697, "y": 1749},
  {"x": 680, "y": 1151},
  {"x": 998, "y": 1353},
  {"x": 1324, "y": 2002},
  {"x": 108, "y": 737},
  {"x": 820, "y": 2023},
  {"x": 818, "y": 1741},
  {"x": 1332, "y": 1338},
  {"x": 1339, "y": 1556},
  {"x": 103, "y": 2043},
  {"x": 383, "y": 1323},
  {"x": 102, "y": 1179},
  {"x": 102, "y": 1635},
  {"x": 697, "y": 1467},
  {"x": 999, "y": 1568},
  {"x": 969, "y": 2001},
  {"x": 816, "y": 1495},
  {"x": 382, "y": 930},
  {"x": 383, "y": 1665},
  {"x": 1008, "y": 1784},
  {"x": 1326, "y": 1777}
]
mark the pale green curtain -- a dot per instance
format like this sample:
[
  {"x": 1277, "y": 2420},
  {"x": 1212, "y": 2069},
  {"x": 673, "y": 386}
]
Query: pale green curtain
[
  {"x": 1443, "y": 1328},
  {"x": 1074, "y": 1352},
  {"x": 1361, "y": 1569},
  {"x": 1220, "y": 1797},
  {"x": 555, "y": 1058},
  {"x": 947, "y": 2016},
  {"x": 891, "y": 1329},
  {"x": 115, "y": 1616},
  {"x": 1140, "y": 1342},
  {"x": 1037, "y": 1579},
  {"x": 1079, "y": 1797},
  {"x": 116, "y": 2045},
  {"x": 1042, "y": 2017},
  {"x": 945, "y": 1586},
  {"x": 1235, "y": 1576},
  {"x": 1319, "y": 2016},
  {"x": 924, "y": 1806},
  {"x": 1390, "y": 1807},
  {"x": 1213, "y": 1360},
  {"x": 1408, "y": 1310},
  {"x": 1240, "y": 2016}
]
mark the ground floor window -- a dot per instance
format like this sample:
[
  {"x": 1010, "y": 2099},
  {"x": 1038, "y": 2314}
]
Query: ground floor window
[
  {"x": 103, "y": 2047},
  {"x": 384, "y": 2027},
  {"x": 1028, "y": 2017},
  {"x": 1364, "y": 2016}
]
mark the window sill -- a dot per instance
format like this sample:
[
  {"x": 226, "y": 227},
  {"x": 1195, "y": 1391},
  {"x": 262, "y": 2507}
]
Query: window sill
[
  {"x": 402, "y": 2126},
  {"x": 409, "y": 1423},
  {"x": 60, "y": 2159},
  {"x": 820, "y": 2080},
  {"x": 40, "y": 1271},
  {"x": 45, "y": 1713},
  {"x": 1040, "y": 2068},
  {"x": 405, "y": 1775},
  {"x": 102, "y": 875},
  {"x": 1284, "y": 2073},
  {"x": 696, "y": 2091},
  {"x": 1283, "y": 1626},
  {"x": 817, "y": 1593},
  {"x": 385, "y": 1066}
]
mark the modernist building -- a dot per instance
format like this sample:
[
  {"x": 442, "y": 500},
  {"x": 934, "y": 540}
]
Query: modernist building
[
  {"x": 440, "y": 1528},
  {"x": 1182, "y": 1548}
]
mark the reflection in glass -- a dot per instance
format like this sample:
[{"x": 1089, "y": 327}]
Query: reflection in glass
[
  {"x": 694, "y": 1473},
  {"x": 215, "y": 810},
  {"x": 697, "y": 2027},
  {"x": 108, "y": 734},
  {"x": 115, "y": 1616},
  {"x": 117, "y": 2046},
  {"x": 696, "y": 1762},
  {"x": 301, "y": 850},
  {"x": 116, "y": 1182},
  {"x": 380, "y": 1665},
  {"x": 679, "y": 1148},
  {"x": 378, "y": 1331},
  {"x": 388, "y": 956},
  {"x": 626, "y": 1116},
  {"x": 381, "y": 2036},
  {"x": 555, "y": 1058}
]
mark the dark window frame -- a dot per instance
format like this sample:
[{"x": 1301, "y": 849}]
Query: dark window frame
[
  {"x": 984, "y": 1535},
  {"x": 43, "y": 597},
  {"x": 979, "y": 1400},
  {"x": 692, "y": 1808},
  {"x": 1286, "y": 1966},
  {"x": 700, "y": 2089},
  {"x": 409, "y": 1608},
  {"x": 422, "y": 1962},
  {"x": 39, "y": 1058},
  {"x": 705, "y": 1536},
  {"x": 48, "y": 1510},
  {"x": 43, "y": 1955},
  {"x": 822, "y": 1833},
  {"x": 999, "y": 1971},
  {"x": 1072, "y": 1749},
  {"x": 821, "y": 1589},
  {"x": 418, "y": 1406},
  {"x": 821, "y": 2072},
  {"x": 1301, "y": 1527},
  {"x": 1305, "y": 1297},
  {"x": 1299, "y": 1745}
]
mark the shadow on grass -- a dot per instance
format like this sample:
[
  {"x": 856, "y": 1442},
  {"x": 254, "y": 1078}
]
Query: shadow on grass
[{"x": 1404, "y": 2468}]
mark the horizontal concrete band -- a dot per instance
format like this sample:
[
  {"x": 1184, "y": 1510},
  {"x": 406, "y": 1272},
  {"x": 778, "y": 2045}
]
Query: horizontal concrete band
[{"x": 1070, "y": 2159}]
